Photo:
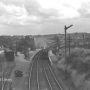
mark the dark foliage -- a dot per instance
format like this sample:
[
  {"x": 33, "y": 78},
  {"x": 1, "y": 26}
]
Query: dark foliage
[
  {"x": 9, "y": 56},
  {"x": 77, "y": 61},
  {"x": 26, "y": 43}
]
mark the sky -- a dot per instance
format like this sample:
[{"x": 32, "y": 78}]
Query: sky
[{"x": 24, "y": 17}]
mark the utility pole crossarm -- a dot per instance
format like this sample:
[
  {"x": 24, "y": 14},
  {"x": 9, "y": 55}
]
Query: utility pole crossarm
[{"x": 68, "y": 27}]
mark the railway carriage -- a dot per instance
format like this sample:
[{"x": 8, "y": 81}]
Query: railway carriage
[
  {"x": 44, "y": 56},
  {"x": 9, "y": 55}
]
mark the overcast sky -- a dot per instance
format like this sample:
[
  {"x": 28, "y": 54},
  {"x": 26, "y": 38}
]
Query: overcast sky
[{"x": 43, "y": 16}]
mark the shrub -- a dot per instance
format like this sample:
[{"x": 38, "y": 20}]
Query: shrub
[{"x": 79, "y": 60}]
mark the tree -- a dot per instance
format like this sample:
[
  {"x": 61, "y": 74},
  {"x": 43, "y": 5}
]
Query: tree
[
  {"x": 30, "y": 42},
  {"x": 55, "y": 43},
  {"x": 25, "y": 43}
]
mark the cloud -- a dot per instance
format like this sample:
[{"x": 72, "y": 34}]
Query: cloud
[
  {"x": 25, "y": 13},
  {"x": 37, "y": 11},
  {"x": 85, "y": 10},
  {"x": 12, "y": 14},
  {"x": 66, "y": 8},
  {"x": 43, "y": 16}
]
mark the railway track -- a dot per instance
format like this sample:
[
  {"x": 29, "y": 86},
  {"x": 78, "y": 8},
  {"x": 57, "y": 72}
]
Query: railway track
[
  {"x": 41, "y": 76},
  {"x": 6, "y": 79},
  {"x": 33, "y": 74},
  {"x": 51, "y": 78}
]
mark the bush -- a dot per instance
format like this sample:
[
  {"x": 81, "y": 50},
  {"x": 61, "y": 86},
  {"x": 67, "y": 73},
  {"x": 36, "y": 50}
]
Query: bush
[{"x": 79, "y": 60}]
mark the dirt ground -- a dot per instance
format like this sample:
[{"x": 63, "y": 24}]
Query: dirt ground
[{"x": 20, "y": 83}]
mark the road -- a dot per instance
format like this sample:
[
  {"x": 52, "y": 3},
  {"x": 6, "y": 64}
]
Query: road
[{"x": 41, "y": 75}]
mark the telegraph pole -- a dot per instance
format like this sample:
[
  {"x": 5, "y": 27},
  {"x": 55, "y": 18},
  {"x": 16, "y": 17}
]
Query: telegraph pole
[
  {"x": 83, "y": 41},
  {"x": 65, "y": 29},
  {"x": 69, "y": 44}
]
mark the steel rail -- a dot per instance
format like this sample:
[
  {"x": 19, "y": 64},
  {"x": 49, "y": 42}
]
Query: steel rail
[
  {"x": 30, "y": 74},
  {"x": 47, "y": 70},
  {"x": 47, "y": 79},
  {"x": 52, "y": 80},
  {"x": 37, "y": 77},
  {"x": 7, "y": 77},
  {"x": 55, "y": 77},
  {"x": 31, "y": 69}
]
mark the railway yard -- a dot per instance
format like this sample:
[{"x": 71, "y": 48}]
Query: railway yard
[
  {"x": 34, "y": 74},
  {"x": 38, "y": 74}
]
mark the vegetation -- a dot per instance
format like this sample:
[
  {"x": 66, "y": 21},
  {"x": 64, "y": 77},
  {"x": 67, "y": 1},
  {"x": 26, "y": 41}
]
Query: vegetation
[
  {"x": 26, "y": 43},
  {"x": 76, "y": 67},
  {"x": 13, "y": 42},
  {"x": 77, "y": 64},
  {"x": 54, "y": 43}
]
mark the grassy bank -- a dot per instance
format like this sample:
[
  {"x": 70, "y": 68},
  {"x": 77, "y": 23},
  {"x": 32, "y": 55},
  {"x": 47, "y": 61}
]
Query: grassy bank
[{"x": 75, "y": 70}]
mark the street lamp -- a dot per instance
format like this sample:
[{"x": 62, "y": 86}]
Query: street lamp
[{"x": 65, "y": 28}]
